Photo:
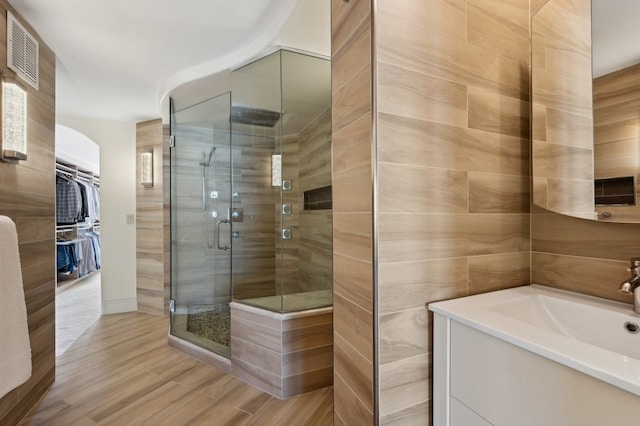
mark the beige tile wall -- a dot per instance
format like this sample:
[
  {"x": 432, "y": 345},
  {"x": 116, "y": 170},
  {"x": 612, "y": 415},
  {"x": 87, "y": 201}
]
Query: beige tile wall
[
  {"x": 283, "y": 354},
  {"x": 616, "y": 116},
  {"x": 152, "y": 280},
  {"x": 452, "y": 214},
  {"x": 452, "y": 184},
  {"x": 453, "y": 166},
  {"x": 315, "y": 232},
  {"x": 561, "y": 102},
  {"x": 27, "y": 196},
  {"x": 582, "y": 255},
  {"x": 287, "y": 264},
  {"x": 352, "y": 213},
  {"x": 254, "y": 257}
]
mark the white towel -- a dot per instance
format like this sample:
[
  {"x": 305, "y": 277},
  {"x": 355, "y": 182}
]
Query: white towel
[{"x": 15, "y": 349}]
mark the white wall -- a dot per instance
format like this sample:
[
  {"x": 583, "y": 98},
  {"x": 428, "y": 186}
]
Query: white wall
[
  {"x": 76, "y": 148},
  {"x": 117, "y": 141}
]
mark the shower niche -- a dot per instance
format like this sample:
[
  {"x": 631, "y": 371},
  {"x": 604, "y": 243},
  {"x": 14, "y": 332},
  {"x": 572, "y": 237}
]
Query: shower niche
[{"x": 251, "y": 279}]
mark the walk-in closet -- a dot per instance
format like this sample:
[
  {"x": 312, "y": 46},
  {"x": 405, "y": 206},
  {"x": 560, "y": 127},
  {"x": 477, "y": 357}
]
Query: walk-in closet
[
  {"x": 78, "y": 252},
  {"x": 77, "y": 223}
]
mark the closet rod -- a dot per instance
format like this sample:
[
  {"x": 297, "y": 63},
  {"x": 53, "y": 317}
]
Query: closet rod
[
  {"x": 75, "y": 171},
  {"x": 66, "y": 243},
  {"x": 64, "y": 172},
  {"x": 71, "y": 226}
]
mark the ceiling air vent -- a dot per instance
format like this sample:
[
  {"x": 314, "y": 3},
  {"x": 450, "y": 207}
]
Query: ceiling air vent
[{"x": 23, "y": 51}]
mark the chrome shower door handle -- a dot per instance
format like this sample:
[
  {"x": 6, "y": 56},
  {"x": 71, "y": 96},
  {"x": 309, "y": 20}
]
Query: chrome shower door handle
[{"x": 218, "y": 224}]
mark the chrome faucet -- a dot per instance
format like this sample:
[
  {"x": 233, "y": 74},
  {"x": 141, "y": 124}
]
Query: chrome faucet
[{"x": 630, "y": 285}]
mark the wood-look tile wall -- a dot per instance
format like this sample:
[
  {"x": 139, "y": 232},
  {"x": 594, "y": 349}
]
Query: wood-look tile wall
[
  {"x": 315, "y": 226},
  {"x": 453, "y": 174},
  {"x": 306, "y": 258},
  {"x": 254, "y": 257},
  {"x": 287, "y": 265},
  {"x": 152, "y": 277},
  {"x": 452, "y": 187},
  {"x": 580, "y": 255},
  {"x": 616, "y": 117},
  {"x": 282, "y": 354},
  {"x": 353, "y": 339},
  {"x": 561, "y": 104},
  {"x": 27, "y": 196}
]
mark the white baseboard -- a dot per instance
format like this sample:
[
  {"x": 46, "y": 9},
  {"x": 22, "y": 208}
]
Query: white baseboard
[{"x": 119, "y": 306}]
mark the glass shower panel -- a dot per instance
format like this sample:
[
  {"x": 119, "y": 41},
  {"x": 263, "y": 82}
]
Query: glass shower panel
[
  {"x": 308, "y": 260},
  {"x": 281, "y": 138},
  {"x": 200, "y": 224},
  {"x": 256, "y": 140}
]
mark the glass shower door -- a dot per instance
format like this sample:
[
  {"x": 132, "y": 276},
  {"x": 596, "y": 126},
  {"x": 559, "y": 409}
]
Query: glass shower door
[{"x": 200, "y": 224}]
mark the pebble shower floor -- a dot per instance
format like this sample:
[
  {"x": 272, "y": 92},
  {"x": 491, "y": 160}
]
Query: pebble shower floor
[{"x": 211, "y": 322}]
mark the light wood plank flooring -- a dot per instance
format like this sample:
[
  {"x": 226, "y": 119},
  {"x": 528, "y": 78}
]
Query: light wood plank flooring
[
  {"x": 77, "y": 309},
  {"x": 121, "y": 372}
]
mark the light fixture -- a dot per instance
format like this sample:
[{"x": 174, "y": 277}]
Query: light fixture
[
  {"x": 146, "y": 175},
  {"x": 14, "y": 121},
  {"x": 276, "y": 170}
]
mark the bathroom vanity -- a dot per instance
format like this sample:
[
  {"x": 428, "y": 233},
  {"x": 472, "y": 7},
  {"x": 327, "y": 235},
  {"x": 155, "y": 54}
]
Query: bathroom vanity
[{"x": 534, "y": 355}]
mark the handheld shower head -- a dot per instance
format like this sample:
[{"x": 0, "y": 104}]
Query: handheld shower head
[{"x": 206, "y": 163}]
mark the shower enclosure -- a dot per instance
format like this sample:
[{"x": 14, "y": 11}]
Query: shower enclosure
[{"x": 251, "y": 218}]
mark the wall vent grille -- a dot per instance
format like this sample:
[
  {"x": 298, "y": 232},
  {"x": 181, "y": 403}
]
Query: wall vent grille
[{"x": 23, "y": 51}]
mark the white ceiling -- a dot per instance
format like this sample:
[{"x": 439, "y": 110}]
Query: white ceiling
[{"x": 117, "y": 59}]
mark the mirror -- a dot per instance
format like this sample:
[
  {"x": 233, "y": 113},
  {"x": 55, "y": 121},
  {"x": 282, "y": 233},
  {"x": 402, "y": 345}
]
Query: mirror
[{"x": 585, "y": 108}]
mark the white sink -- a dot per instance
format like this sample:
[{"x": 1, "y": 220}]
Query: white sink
[
  {"x": 596, "y": 322},
  {"x": 589, "y": 334}
]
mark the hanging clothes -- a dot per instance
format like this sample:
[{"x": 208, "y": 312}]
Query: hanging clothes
[
  {"x": 82, "y": 253},
  {"x": 90, "y": 201},
  {"x": 77, "y": 200},
  {"x": 89, "y": 252},
  {"x": 68, "y": 200},
  {"x": 66, "y": 256}
]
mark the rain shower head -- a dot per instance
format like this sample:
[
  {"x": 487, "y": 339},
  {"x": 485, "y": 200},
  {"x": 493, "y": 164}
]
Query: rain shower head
[{"x": 254, "y": 116}]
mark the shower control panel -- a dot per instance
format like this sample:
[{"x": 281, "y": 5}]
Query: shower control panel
[{"x": 235, "y": 214}]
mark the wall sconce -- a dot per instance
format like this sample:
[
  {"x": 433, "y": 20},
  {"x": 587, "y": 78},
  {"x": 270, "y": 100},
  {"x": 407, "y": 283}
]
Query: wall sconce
[
  {"x": 14, "y": 121},
  {"x": 276, "y": 170},
  {"x": 146, "y": 176}
]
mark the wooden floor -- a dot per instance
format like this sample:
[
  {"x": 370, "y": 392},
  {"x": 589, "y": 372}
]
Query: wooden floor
[
  {"x": 121, "y": 372},
  {"x": 77, "y": 309}
]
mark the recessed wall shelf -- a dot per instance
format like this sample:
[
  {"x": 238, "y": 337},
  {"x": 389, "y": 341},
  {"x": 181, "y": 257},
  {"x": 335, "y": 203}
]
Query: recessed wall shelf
[
  {"x": 615, "y": 191},
  {"x": 318, "y": 199}
]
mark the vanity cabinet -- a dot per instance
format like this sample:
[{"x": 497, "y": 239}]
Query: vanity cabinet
[{"x": 482, "y": 380}]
